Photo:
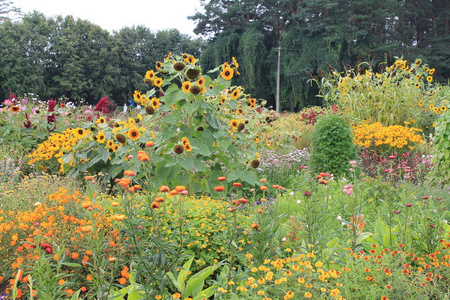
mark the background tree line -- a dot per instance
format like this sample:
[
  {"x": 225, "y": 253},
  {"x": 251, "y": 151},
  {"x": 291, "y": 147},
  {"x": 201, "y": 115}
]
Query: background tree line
[
  {"x": 61, "y": 56},
  {"x": 73, "y": 58},
  {"x": 314, "y": 33}
]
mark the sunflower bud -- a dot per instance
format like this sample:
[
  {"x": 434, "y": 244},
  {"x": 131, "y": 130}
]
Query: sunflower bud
[
  {"x": 241, "y": 126},
  {"x": 148, "y": 81}
]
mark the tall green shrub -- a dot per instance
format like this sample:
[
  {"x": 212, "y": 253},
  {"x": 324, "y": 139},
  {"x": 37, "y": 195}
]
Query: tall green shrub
[
  {"x": 331, "y": 146},
  {"x": 440, "y": 172}
]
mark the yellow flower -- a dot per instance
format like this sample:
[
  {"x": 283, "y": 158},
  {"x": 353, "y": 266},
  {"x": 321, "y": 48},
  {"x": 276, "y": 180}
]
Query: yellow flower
[
  {"x": 155, "y": 103},
  {"x": 186, "y": 86},
  {"x": 429, "y": 78},
  {"x": 227, "y": 73},
  {"x": 308, "y": 295},
  {"x": 158, "y": 82}
]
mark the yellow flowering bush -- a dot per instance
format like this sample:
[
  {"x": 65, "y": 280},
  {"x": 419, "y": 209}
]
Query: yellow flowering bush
[
  {"x": 394, "y": 96},
  {"x": 376, "y": 136}
]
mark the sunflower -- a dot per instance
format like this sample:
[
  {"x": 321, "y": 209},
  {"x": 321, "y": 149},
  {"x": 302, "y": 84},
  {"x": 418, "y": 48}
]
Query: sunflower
[
  {"x": 133, "y": 134},
  {"x": 155, "y": 103},
  {"x": 192, "y": 73},
  {"x": 184, "y": 141},
  {"x": 235, "y": 94},
  {"x": 110, "y": 143},
  {"x": 186, "y": 86},
  {"x": 432, "y": 71},
  {"x": 158, "y": 82},
  {"x": 234, "y": 123},
  {"x": 115, "y": 147},
  {"x": 443, "y": 108},
  {"x": 188, "y": 147},
  {"x": 178, "y": 149},
  {"x": 191, "y": 60},
  {"x": 418, "y": 62},
  {"x": 429, "y": 78},
  {"x": 101, "y": 120},
  {"x": 431, "y": 106},
  {"x": 137, "y": 96},
  {"x": 436, "y": 110},
  {"x": 179, "y": 66},
  {"x": 222, "y": 100},
  {"x": 150, "y": 74},
  {"x": 203, "y": 90},
  {"x": 211, "y": 86},
  {"x": 101, "y": 138},
  {"x": 14, "y": 108},
  {"x": 185, "y": 56},
  {"x": 417, "y": 85},
  {"x": 420, "y": 103},
  {"x": 149, "y": 110},
  {"x": 201, "y": 81},
  {"x": 426, "y": 69},
  {"x": 255, "y": 163},
  {"x": 195, "y": 89},
  {"x": 158, "y": 65},
  {"x": 79, "y": 132},
  {"x": 227, "y": 73}
]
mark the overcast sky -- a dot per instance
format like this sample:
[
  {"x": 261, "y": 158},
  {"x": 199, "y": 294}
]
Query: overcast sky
[{"x": 116, "y": 14}]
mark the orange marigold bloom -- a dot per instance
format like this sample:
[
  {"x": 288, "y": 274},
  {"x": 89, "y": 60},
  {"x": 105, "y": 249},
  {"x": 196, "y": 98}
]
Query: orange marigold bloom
[
  {"x": 75, "y": 255},
  {"x": 122, "y": 280}
]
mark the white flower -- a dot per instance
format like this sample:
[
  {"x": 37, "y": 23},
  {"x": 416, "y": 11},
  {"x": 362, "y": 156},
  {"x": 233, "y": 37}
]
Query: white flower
[
  {"x": 299, "y": 201},
  {"x": 284, "y": 239},
  {"x": 339, "y": 217},
  {"x": 291, "y": 193},
  {"x": 37, "y": 203}
]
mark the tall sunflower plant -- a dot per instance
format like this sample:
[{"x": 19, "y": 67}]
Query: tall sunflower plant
[{"x": 194, "y": 129}]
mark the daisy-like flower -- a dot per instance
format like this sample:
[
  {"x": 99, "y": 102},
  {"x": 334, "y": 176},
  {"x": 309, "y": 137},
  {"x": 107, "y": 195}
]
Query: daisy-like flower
[
  {"x": 134, "y": 134},
  {"x": 227, "y": 73}
]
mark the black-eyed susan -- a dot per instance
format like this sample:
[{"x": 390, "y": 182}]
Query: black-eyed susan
[
  {"x": 429, "y": 78},
  {"x": 234, "y": 124},
  {"x": 201, "y": 81},
  {"x": 158, "y": 82},
  {"x": 133, "y": 134},
  {"x": 155, "y": 103},
  {"x": 158, "y": 65},
  {"x": 14, "y": 108},
  {"x": 235, "y": 94},
  {"x": 443, "y": 108},
  {"x": 227, "y": 73},
  {"x": 150, "y": 74},
  {"x": 418, "y": 62},
  {"x": 186, "y": 86},
  {"x": 436, "y": 110},
  {"x": 101, "y": 138}
]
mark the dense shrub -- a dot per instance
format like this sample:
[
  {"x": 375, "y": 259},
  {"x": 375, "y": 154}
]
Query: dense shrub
[{"x": 331, "y": 146}]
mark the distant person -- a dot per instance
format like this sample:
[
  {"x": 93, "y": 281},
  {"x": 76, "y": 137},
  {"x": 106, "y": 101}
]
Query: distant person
[{"x": 125, "y": 108}]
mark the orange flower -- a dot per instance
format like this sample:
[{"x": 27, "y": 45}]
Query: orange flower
[
  {"x": 86, "y": 204},
  {"x": 219, "y": 188},
  {"x": 123, "y": 182},
  {"x": 263, "y": 188},
  {"x": 89, "y": 278},
  {"x": 122, "y": 280},
  {"x": 173, "y": 192},
  {"x": 154, "y": 205},
  {"x": 221, "y": 178},
  {"x": 89, "y": 177},
  {"x": 129, "y": 173},
  {"x": 75, "y": 255},
  {"x": 237, "y": 184},
  {"x": 118, "y": 217},
  {"x": 180, "y": 188},
  {"x": 61, "y": 281},
  {"x": 164, "y": 189},
  {"x": 149, "y": 144}
]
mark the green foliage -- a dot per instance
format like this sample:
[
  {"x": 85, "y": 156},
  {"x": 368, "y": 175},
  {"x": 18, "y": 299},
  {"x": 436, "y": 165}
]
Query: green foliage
[
  {"x": 331, "y": 146},
  {"x": 440, "y": 173}
]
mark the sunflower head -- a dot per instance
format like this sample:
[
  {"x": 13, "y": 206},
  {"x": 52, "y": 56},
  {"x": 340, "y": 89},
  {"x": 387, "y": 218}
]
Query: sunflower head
[
  {"x": 227, "y": 73},
  {"x": 418, "y": 62},
  {"x": 155, "y": 103},
  {"x": 201, "y": 81},
  {"x": 158, "y": 81},
  {"x": 241, "y": 126},
  {"x": 148, "y": 81},
  {"x": 188, "y": 147},
  {"x": 149, "y": 110},
  {"x": 120, "y": 138},
  {"x": 178, "y": 149},
  {"x": 192, "y": 73},
  {"x": 255, "y": 163},
  {"x": 195, "y": 89},
  {"x": 158, "y": 65},
  {"x": 134, "y": 134},
  {"x": 186, "y": 86},
  {"x": 179, "y": 66}
]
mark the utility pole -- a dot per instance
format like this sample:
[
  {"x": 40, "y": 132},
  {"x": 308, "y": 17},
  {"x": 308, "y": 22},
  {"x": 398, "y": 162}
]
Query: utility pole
[{"x": 277, "y": 100}]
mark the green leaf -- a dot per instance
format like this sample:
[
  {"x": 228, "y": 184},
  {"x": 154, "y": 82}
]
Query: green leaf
[
  {"x": 212, "y": 121},
  {"x": 184, "y": 272},
  {"x": 198, "y": 279},
  {"x": 205, "y": 294},
  {"x": 198, "y": 165},
  {"x": 73, "y": 265},
  {"x": 186, "y": 163},
  {"x": 67, "y": 158},
  {"x": 191, "y": 107}
]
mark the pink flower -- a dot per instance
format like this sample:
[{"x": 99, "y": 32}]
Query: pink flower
[{"x": 348, "y": 189}]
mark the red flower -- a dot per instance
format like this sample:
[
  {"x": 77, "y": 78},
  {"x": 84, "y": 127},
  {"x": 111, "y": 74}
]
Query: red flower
[
  {"x": 49, "y": 250},
  {"x": 219, "y": 188},
  {"x": 101, "y": 105}
]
